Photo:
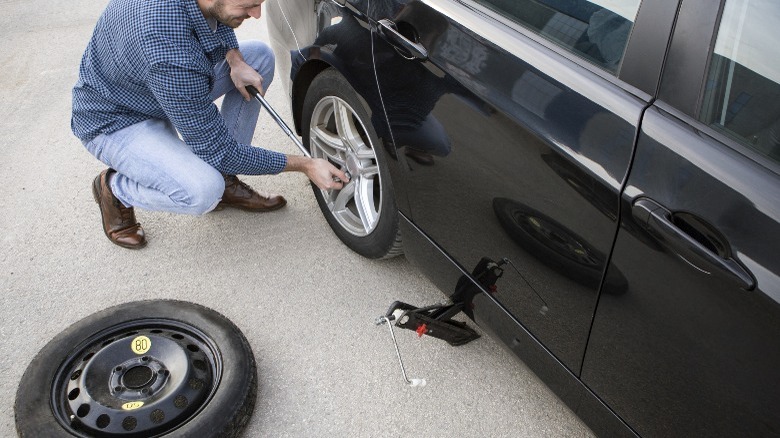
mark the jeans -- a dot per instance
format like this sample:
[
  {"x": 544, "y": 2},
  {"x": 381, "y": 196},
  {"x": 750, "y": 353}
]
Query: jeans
[{"x": 156, "y": 170}]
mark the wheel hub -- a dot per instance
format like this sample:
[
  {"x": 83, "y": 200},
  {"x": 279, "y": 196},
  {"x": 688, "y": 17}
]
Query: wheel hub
[{"x": 138, "y": 377}]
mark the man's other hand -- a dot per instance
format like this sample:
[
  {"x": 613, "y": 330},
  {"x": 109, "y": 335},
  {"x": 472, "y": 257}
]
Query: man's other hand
[{"x": 242, "y": 74}]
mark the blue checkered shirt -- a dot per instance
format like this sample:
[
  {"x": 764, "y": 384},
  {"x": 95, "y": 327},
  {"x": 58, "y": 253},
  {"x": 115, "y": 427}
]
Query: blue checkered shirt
[{"x": 155, "y": 59}]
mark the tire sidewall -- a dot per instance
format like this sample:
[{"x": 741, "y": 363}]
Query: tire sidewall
[
  {"x": 236, "y": 388},
  {"x": 380, "y": 241}
]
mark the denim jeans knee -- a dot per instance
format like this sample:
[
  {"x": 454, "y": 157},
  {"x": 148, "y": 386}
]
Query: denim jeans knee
[{"x": 202, "y": 194}]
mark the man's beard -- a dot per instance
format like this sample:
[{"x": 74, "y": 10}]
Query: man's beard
[{"x": 217, "y": 11}]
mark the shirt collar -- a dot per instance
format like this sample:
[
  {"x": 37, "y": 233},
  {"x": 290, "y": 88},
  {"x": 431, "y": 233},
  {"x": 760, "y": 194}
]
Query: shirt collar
[{"x": 206, "y": 36}]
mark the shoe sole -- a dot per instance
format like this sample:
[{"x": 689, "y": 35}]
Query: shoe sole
[
  {"x": 252, "y": 210},
  {"x": 96, "y": 195}
]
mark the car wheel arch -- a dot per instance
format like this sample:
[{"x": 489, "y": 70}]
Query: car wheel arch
[{"x": 300, "y": 87}]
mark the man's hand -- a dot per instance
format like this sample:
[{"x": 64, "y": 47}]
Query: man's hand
[
  {"x": 323, "y": 174},
  {"x": 243, "y": 74}
]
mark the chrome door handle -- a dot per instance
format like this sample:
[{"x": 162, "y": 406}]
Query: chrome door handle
[
  {"x": 407, "y": 48},
  {"x": 658, "y": 220}
]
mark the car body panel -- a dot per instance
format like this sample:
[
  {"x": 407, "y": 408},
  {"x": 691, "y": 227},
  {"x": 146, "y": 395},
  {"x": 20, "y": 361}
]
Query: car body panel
[
  {"x": 527, "y": 152},
  {"x": 519, "y": 134}
]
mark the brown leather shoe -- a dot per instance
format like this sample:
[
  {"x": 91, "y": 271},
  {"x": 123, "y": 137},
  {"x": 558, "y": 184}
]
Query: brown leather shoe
[
  {"x": 119, "y": 222},
  {"x": 239, "y": 195}
]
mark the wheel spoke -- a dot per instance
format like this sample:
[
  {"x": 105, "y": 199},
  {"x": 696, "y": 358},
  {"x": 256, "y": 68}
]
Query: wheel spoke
[
  {"x": 364, "y": 200},
  {"x": 369, "y": 171},
  {"x": 326, "y": 138},
  {"x": 340, "y": 204},
  {"x": 345, "y": 126},
  {"x": 328, "y": 145},
  {"x": 364, "y": 152}
]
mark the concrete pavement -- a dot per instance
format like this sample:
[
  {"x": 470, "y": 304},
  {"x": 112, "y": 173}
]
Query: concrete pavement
[{"x": 305, "y": 302}]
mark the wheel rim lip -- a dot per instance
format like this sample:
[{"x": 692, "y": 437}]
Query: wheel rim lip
[
  {"x": 60, "y": 402},
  {"x": 362, "y": 184}
]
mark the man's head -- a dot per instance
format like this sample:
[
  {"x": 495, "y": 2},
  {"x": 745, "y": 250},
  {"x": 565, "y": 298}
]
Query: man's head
[{"x": 230, "y": 12}]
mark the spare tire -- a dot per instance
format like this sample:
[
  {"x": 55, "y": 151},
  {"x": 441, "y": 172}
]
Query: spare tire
[{"x": 147, "y": 368}]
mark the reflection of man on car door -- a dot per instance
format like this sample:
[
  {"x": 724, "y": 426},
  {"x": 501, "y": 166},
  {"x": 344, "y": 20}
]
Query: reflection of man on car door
[{"x": 409, "y": 92}]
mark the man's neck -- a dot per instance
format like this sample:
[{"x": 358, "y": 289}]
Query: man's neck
[{"x": 205, "y": 6}]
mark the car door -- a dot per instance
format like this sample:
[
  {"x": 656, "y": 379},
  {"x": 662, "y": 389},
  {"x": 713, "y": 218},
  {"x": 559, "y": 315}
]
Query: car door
[
  {"x": 515, "y": 123},
  {"x": 693, "y": 347}
]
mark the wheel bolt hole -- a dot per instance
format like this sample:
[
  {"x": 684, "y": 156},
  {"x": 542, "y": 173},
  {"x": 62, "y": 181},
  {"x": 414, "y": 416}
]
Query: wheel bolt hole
[
  {"x": 107, "y": 342},
  {"x": 145, "y": 358},
  {"x": 88, "y": 357},
  {"x": 103, "y": 421},
  {"x": 193, "y": 348},
  {"x": 129, "y": 423},
  {"x": 119, "y": 369},
  {"x": 82, "y": 411},
  {"x": 156, "y": 332},
  {"x": 73, "y": 395},
  {"x": 177, "y": 336},
  {"x": 157, "y": 416},
  {"x": 118, "y": 389},
  {"x": 76, "y": 374}
]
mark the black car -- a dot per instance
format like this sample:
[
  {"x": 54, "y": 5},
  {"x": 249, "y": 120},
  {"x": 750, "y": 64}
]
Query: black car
[{"x": 616, "y": 160}]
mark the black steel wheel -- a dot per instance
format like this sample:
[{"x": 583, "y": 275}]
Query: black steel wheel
[
  {"x": 142, "y": 369},
  {"x": 337, "y": 127}
]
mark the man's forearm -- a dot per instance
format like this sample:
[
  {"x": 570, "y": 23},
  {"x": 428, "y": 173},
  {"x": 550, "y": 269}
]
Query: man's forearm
[
  {"x": 297, "y": 163},
  {"x": 234, "y": 56}
]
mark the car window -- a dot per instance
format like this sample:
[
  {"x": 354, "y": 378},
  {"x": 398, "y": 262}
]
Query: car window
[
  {"x": 596, "y": 30},
  {"x": 742, "y": 93}
]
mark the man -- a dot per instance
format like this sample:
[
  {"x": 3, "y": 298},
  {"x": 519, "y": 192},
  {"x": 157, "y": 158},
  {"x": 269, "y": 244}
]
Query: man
[{"x": 144, "y": 106}]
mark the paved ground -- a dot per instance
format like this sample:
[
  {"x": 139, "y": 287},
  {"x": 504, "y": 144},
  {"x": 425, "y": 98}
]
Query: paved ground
[{"x": 305, "y": 302}]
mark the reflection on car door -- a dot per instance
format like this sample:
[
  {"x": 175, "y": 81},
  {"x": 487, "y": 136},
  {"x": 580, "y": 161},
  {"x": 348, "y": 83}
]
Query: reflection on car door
[
  {"x": 515, "y": 152},
  {"x": 693, "y": 347}
]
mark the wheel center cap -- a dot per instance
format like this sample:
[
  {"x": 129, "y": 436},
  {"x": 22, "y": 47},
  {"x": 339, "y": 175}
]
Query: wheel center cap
[{"x": 138, "y": 377}]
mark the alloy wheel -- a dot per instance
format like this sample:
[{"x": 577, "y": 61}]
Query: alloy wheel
[{"x": 338, "y": 135}]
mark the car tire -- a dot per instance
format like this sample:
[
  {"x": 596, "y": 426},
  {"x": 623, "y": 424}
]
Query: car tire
[
  {"x": 147, "y": 368},
  {"x": 363, "y": 214}
]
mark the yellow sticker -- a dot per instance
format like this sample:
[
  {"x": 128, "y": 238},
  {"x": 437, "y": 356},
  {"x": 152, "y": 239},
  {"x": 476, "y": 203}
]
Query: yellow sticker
[
  {"x": 129, "y": 406},
  {"x": 141, "y": 344}
]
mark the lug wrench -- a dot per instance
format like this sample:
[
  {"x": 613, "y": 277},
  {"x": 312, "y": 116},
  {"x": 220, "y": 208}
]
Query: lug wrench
[
  {"x": 278, "y": 119},
  {"x": 253, "y": 91}
]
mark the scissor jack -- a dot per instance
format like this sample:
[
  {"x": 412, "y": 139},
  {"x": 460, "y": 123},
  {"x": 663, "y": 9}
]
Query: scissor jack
[{"x": 437, "y": 320}]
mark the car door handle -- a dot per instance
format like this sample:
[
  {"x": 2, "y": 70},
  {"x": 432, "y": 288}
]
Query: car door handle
[
  {"x": 407, "y": 48},
  {"x": 659, "y": 221}
]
